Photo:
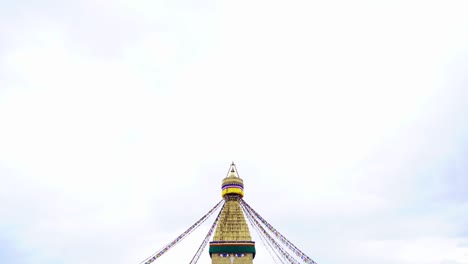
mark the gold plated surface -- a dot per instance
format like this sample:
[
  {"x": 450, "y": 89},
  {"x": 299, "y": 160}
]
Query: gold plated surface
[{"x": 232, "y": 225}]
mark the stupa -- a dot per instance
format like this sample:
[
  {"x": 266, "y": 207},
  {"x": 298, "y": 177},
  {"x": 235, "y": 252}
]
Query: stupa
[{"x": 232, "y": 242}]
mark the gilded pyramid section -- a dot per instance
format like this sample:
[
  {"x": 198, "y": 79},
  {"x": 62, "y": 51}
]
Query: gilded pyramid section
[{"x": 232, "y": 225}]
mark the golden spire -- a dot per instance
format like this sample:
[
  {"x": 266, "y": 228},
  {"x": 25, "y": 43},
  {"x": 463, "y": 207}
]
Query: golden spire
[{"x": 232, "y": 240}]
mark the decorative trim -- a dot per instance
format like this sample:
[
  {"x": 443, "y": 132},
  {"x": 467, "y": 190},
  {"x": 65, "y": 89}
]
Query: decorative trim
[
  {"x": 233, "y": 185},
  {"x": 232, "y": 247},
  {"x": 234, "y": 242}
]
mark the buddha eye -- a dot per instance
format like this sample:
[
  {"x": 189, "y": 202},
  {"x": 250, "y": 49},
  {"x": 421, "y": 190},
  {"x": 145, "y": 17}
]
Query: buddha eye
[
  {"x": 239, "y": 255},
  {"x": 224, "y": 255}
]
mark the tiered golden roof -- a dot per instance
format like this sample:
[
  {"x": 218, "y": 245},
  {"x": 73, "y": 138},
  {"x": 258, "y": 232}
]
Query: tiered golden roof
[{"x": 232, "y": 225}]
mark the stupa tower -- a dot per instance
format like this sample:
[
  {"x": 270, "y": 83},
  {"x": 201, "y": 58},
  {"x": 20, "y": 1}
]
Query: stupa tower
[{"x": 232, "y": 243}]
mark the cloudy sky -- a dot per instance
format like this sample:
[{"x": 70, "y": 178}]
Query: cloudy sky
[{"x": 348, "y": 121}]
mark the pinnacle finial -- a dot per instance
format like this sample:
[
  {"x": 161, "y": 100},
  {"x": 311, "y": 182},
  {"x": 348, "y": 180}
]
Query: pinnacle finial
[
  {"x": 233, "y": 170},
  {"x": 233, "y": 184}
]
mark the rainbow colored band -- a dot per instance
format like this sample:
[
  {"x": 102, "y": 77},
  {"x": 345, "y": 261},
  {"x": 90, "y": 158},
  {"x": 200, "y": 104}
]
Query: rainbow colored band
[
  {"x": 233, "y": 185},
  {"x": 220, "y": 247}
]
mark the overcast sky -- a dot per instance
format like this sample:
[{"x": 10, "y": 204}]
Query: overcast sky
[{"x": 348, "y": 122}]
